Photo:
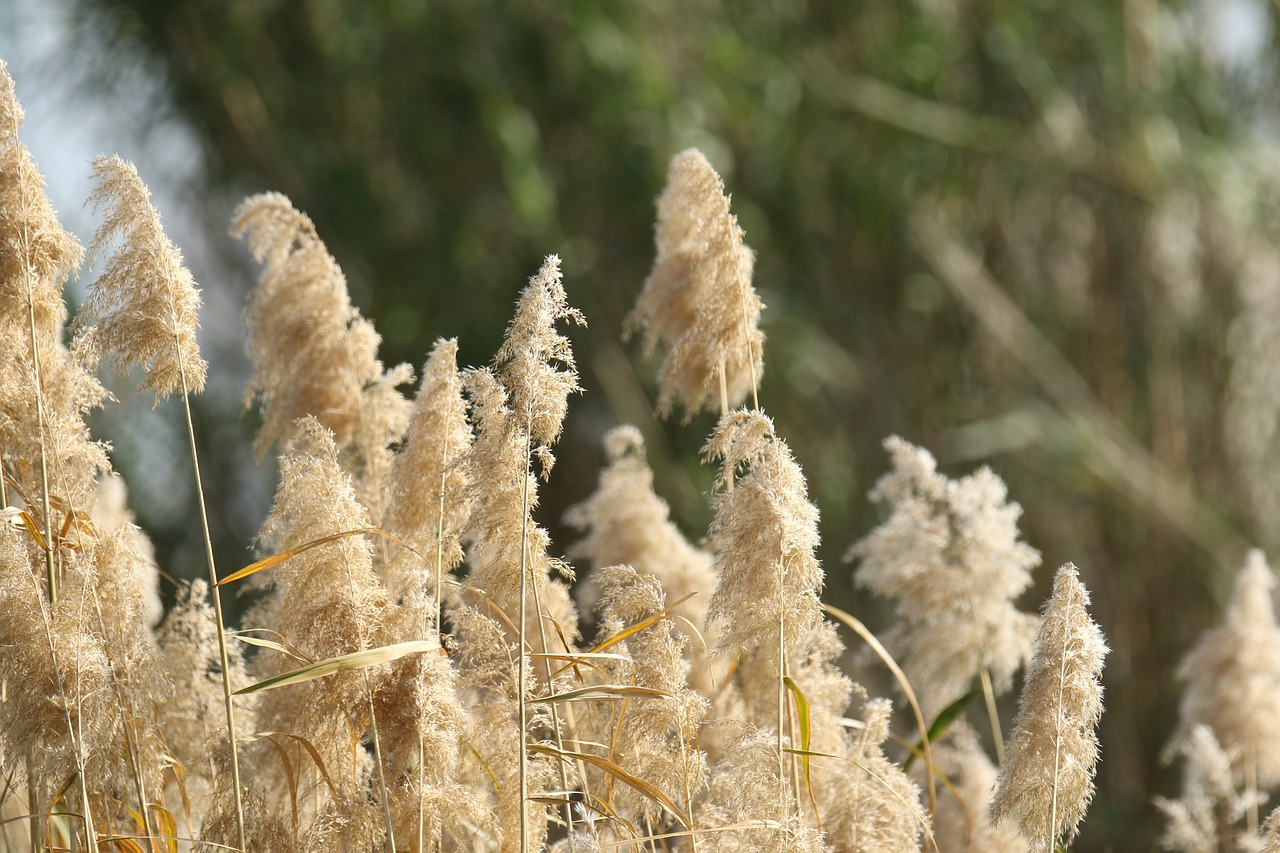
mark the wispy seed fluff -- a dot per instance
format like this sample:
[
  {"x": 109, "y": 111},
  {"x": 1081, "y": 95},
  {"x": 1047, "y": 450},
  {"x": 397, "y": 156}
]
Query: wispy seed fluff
[
  {"x": 142, "y": 308},
  {"x": 627, "y": 523},
  {"x": 1203, "y": 815},
  {"x": 876, "y": 808},
  {"x": 950, "y": 558},
  {"x": 1046, "y": 780},
  {"x": 535, "y": 362},
  {"x": 961, "y": 820},
  {"x": 698, "y": 300},
  {"x": 1233, "y": 677},
  {"x": 427, "y": 489},
  {"x": 312, "y": 352},
  {"x": 518, "y": 410},
  {"x": 326, "y": 600},
  {"x": 38, "y": 254},
  {"x": 41, "y": 412},
  {"x": 763, "y": 536},
  {"x": 655, "y": 738}
]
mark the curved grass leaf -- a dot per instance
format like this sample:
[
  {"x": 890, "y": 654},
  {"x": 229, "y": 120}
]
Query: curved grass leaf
[
  {"x": 342, "y": 663},
  {"x": 943, "y": 722},
  {"x": 802, "y": 712},
  {"x": 855, "y": 624},
  {"x": 277, "y": 559},
  {"x": 621, "y": 775},
  {"x": 604, "y": 691}
]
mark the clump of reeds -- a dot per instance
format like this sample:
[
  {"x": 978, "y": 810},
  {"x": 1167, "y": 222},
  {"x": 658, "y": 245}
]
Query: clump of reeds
[{"x": 413, "y": 675}]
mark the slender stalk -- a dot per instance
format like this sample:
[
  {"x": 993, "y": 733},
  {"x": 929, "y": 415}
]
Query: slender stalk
[
  {"x": 1251, "y": 788},
  {"x": 782, "y": 705},
  {"x": 49, "y": 555},
  {"x": 444, "y": 473},
  {"x": 724, "y": 392},
  {"x": 688, "y": 788},
  {"x": 542, "y": 628},
  {"x": 521, "y": 667},
  {"x": 25, "y": 254},
  {"x": 546, "y": 665},
  {"x": 217, "y": 612},
  {"x": 33, "y": 803},
  {"x": 422, "y": 813},
  {"x": 989, "y": 694},
  {"x": 382, "y": 772},
  {"x": 1057, "y": 758}
]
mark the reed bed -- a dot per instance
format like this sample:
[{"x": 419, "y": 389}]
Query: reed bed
[{"x": 414, "y": 674}]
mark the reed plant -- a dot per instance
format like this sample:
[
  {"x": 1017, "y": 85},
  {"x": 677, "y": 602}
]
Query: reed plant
[{"x": 415, "y": 674}]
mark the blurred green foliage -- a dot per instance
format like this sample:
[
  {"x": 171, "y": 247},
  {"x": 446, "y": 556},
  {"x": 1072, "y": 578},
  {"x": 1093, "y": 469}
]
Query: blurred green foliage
[{"x": 444, "y": 147}]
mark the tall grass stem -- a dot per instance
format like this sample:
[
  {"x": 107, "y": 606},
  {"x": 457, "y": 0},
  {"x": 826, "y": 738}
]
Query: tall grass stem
[{"x": 215, "y": 591}]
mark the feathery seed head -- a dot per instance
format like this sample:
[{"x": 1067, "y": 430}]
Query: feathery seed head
[
  {"x": 764, "y": 536},
  {"x": 535, "y": 361},
  {"x": 625, "y": 522},
  {"x": 36, "y": 252},
  {"x": 698, "y": 300},
  {"x": 142, "y": 308},
  {"x": 312, "y": 352},
  {"x": 1233, "y": 676},
  {"x": 949, "y": 557},
  {"x": 1046, "y": 780},
  {"x": 427, "y": 488}
]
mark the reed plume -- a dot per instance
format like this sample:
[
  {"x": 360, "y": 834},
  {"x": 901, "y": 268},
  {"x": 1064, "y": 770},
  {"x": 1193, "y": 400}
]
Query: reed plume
[
  {"x": 876, "y": 807},
  {"x": 949, "y": 558},
  {"x": 1233, "y": 679},
  {"x": 698, "y": 301},
  {"x": 312, "y": 352},
  {"x": 427, "y": 492},
  {"x": 763, "y": 536},
  {"x": 50, "y": 460},
  {"x": 655, "y": 739},
  {"x": 625, "y": 522},
  {"x": 143, "y": 307},
  {"x": 1046, "y": 780},
  {"x": 142, "y": 310},
  {"x": 962, "y": 821},
  {"x": 1200, "y": 820},
  {"x": 326, "y": 601},
  {"x": 518, "y": 412}
]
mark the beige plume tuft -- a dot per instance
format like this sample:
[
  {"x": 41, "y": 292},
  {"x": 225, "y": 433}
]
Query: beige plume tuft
[
  {"x": 142, "y": 308},
  {"x": 698, "y": 301},
  {"x": 1046, "y": 780}
]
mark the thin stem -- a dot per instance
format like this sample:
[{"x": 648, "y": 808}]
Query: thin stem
[
  {"x": 724, "y": 392},
  {"x": 782, "y": 703},
  {"x": 50, "y": 568},
  {"x": 542, "y": 630},
  {"x": 521, "y": 668},
  {"x": 989, "y": 694},
  {"x": 422, "y": 812},
  {"x": 1251, "y": 788},
  {"x": 382, "y": 772},
  {"x": 33, "y": 803},
  {"x": 444, "y": 473},
  {"x": 29, "y": 274},
  {"x": 1057, "y": 756},
  {"x": 217, "y": 612},
  {"x": 688, "y": 788}
]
